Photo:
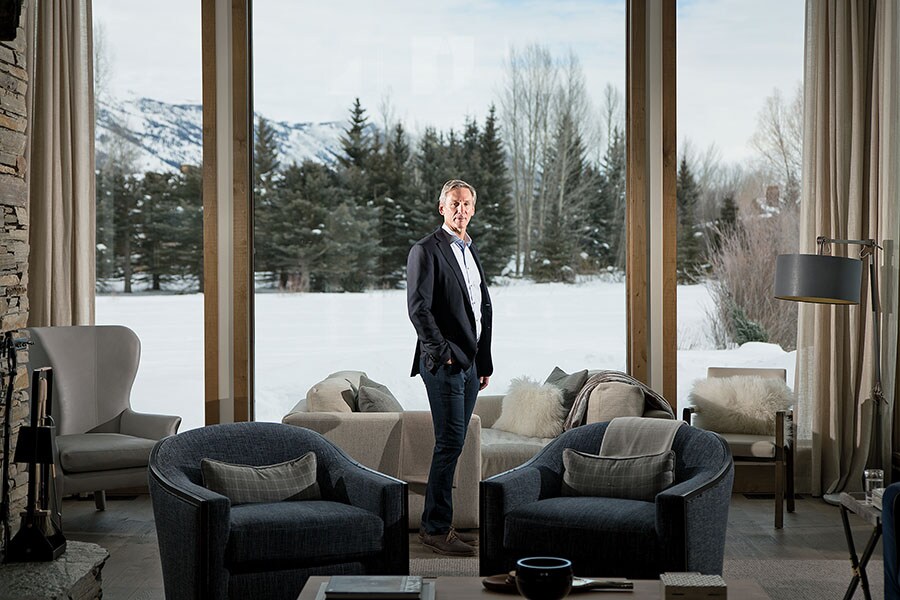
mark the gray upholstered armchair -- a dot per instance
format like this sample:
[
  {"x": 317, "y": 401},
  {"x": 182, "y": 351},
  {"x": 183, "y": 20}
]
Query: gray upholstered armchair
[
  {"x": 103, "y": 444},
  {"x": 213, "y": 549},
  {"x": 523, "y": 513}
]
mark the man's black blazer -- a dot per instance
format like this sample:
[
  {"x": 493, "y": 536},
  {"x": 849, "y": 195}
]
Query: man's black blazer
[{"x": 440, "y": 310}]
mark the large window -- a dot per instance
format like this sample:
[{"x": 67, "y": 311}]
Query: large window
[
  {"x": 149, "y": 209},
  {"x": 362, "y": 117},
  {"x": 739, "y": 106}
]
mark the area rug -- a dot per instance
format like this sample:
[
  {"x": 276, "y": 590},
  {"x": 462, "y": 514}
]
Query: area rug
[{"x": 781, "y": 579}]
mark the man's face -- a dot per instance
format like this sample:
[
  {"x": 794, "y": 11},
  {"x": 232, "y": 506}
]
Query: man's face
[{"x": 457, "y": 208}]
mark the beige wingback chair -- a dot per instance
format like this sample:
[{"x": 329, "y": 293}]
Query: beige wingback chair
[
  {"x": 775, "y": 449},
  {"x": 103, "y": 444}
]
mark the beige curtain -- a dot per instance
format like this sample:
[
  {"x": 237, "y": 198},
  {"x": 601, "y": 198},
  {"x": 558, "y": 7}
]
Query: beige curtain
[
  {"x": 849, "y": 192},
  {"x": 61, "y": 174}
]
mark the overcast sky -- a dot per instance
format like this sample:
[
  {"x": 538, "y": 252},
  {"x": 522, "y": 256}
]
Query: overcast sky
[{"x": 440, "y": 62}]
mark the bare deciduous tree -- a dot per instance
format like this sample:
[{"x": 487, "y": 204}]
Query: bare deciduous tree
[
  {"x": 779, "y": 141},
  {"x": 525, "y": 104}
]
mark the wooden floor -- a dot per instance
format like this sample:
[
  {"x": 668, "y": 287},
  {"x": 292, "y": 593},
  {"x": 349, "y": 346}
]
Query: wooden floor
[{"x": 133, "y": 571}]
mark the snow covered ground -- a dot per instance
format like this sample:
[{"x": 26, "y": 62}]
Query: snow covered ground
[{"x": 301, "y": 338}]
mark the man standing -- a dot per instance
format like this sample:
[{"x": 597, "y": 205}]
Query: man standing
[{"x": 450, "y": 308}]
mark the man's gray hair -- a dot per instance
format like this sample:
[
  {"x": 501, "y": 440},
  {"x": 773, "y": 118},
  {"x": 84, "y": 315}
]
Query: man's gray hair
[{"x": 455, "y": 184}]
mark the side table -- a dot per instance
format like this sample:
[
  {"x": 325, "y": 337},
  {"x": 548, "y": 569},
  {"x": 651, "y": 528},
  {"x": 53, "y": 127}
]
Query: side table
[{"x": 855, "y": 502}]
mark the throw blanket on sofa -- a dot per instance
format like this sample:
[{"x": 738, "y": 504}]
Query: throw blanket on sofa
[
  {"x": 637, "y": 436},
  {"x": 652, "y": 400}
]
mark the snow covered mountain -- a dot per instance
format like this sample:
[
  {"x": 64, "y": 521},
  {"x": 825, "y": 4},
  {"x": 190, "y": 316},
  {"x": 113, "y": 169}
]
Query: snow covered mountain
[{"x": 161, "y": 137}]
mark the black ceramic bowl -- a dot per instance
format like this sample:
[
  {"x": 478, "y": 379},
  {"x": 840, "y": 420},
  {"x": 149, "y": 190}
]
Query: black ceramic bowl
[{"x": 544, "y": 577}]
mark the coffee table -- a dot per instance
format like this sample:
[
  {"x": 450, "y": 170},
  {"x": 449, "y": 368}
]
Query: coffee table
[{"x": 466, "y": 588}]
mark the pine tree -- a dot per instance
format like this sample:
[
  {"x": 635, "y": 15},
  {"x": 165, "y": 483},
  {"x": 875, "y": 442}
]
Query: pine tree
[
  {"x": 554, "y": 253},
  {"x": 689, "y": 256},
  {"x": 267, "y": 212},
  {"x": 494, "y": 227},
  {"x": 605, "y": 219},
  {"x": 356, "y": 143},
  {"x": 295, "y": 235},
  {"x": 394, "y": 189},
  {"x": 431, "y": 168},
  {"x": 190, "y": 195},
  {"x": 159, "y": 244}
]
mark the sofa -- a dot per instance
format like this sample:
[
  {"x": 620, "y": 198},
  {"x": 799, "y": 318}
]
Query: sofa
[{"x": 400, "y": 444}]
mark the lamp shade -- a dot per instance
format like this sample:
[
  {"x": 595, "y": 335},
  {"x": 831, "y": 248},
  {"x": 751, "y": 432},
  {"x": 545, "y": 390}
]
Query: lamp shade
[
  {"x": 818, "y": 278},
  {"x": 36, "y": 445}
]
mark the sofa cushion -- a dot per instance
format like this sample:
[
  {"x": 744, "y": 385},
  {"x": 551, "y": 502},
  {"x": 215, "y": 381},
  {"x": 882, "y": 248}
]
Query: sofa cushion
[
  {"x": 502, "y": 450},
  {"x": 627, "y": 528},
  {"x": 334, "y": 394},
  {"x": 86, "y": 452},
  {"x": 614, "y": 399},
  {"x": 741, "y": 404},
  {"x": 570, "y": 385},
  {"x": 635, "y": 478},
  {"x": 292, "y": 531},
  {"x": 376, "y": 397},
  {"x": 352, "y": 376},
  {"x": 532, "y": 409},
  {"x": 290, "y": 480}
]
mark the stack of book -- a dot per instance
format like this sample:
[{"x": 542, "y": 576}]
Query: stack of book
[{"x": 376, "y": 587}]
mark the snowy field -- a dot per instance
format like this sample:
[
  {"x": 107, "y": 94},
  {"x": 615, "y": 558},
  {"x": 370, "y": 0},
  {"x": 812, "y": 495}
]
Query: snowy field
[{"x": 301, "y": 338}]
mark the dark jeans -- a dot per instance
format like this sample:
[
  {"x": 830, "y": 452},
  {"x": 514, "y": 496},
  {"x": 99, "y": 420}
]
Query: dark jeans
[{"x": 451, "y": 394}]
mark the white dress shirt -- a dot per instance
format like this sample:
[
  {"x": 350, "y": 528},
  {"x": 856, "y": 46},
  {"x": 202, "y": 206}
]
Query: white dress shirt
[{"x": 470, "y": 272}]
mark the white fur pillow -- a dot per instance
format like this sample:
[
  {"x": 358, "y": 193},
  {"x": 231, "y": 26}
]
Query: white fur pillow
[
  {"x": 532, "y": 409},
  {"x": 740, "y": 404}
]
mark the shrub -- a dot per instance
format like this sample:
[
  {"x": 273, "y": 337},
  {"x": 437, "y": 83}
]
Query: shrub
[{"x": 742, "y": 276}]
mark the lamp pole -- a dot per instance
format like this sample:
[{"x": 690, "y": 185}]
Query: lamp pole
[{"x": 867, "y": 252}]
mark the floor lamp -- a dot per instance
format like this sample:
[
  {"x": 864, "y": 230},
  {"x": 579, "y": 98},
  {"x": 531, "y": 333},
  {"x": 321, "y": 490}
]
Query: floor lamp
[{"x": 825, "y": 279}]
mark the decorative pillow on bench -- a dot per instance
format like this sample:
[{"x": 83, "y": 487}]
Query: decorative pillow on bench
[
  {"x": 242, "y": 484},
  {"x": 634, "y": 478}
]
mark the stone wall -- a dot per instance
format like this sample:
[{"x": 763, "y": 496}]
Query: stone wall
[{"x": 14, "y": 237}]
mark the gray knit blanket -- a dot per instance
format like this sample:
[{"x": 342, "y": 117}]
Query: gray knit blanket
[{"x": 652, "y": 400}]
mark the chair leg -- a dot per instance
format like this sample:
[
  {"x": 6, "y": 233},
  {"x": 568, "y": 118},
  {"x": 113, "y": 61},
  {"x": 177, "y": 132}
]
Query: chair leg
[
  {"x": 100, "y": 499},
  {"x": 789, "y": 464},
  {"x": 779, "y": 494}
]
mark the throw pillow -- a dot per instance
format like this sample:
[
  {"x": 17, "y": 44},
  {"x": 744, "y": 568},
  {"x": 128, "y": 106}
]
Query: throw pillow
[
  {"x": 634, "y": 477},
  {"x": 375, "y": 397},
  {"x": 614, "y": 399},
  {"x": 352, "y": 376},
  {"x": 570, "y": 385},
  {"x": 740, "y": 404},
  {"x": 532, "y": 409},
  {"x": 242, "y": 484},
  {"x": 334, "y": 394}
]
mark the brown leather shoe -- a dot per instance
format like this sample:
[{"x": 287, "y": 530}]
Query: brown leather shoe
[
  {"x": 448, "y": 544},
  {"x": 465, "y": 537}
]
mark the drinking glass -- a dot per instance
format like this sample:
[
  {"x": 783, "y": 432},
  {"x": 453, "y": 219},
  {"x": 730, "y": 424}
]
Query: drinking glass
[{"x": 874, "y": 479}]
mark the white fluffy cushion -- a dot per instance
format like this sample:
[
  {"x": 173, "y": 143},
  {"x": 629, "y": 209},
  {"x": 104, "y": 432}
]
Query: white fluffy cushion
[
  {"x": 740, "y": 404},
  {"x": 532, "y": 409}
]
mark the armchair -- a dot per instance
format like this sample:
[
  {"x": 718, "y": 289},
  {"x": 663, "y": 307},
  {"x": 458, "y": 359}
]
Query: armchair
[
  {"x": 524, "y": 514},
  {"x": 776, "y": 449},
  {"x": 212, "y": 549},
  {"x": 103, "y": 444}
]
